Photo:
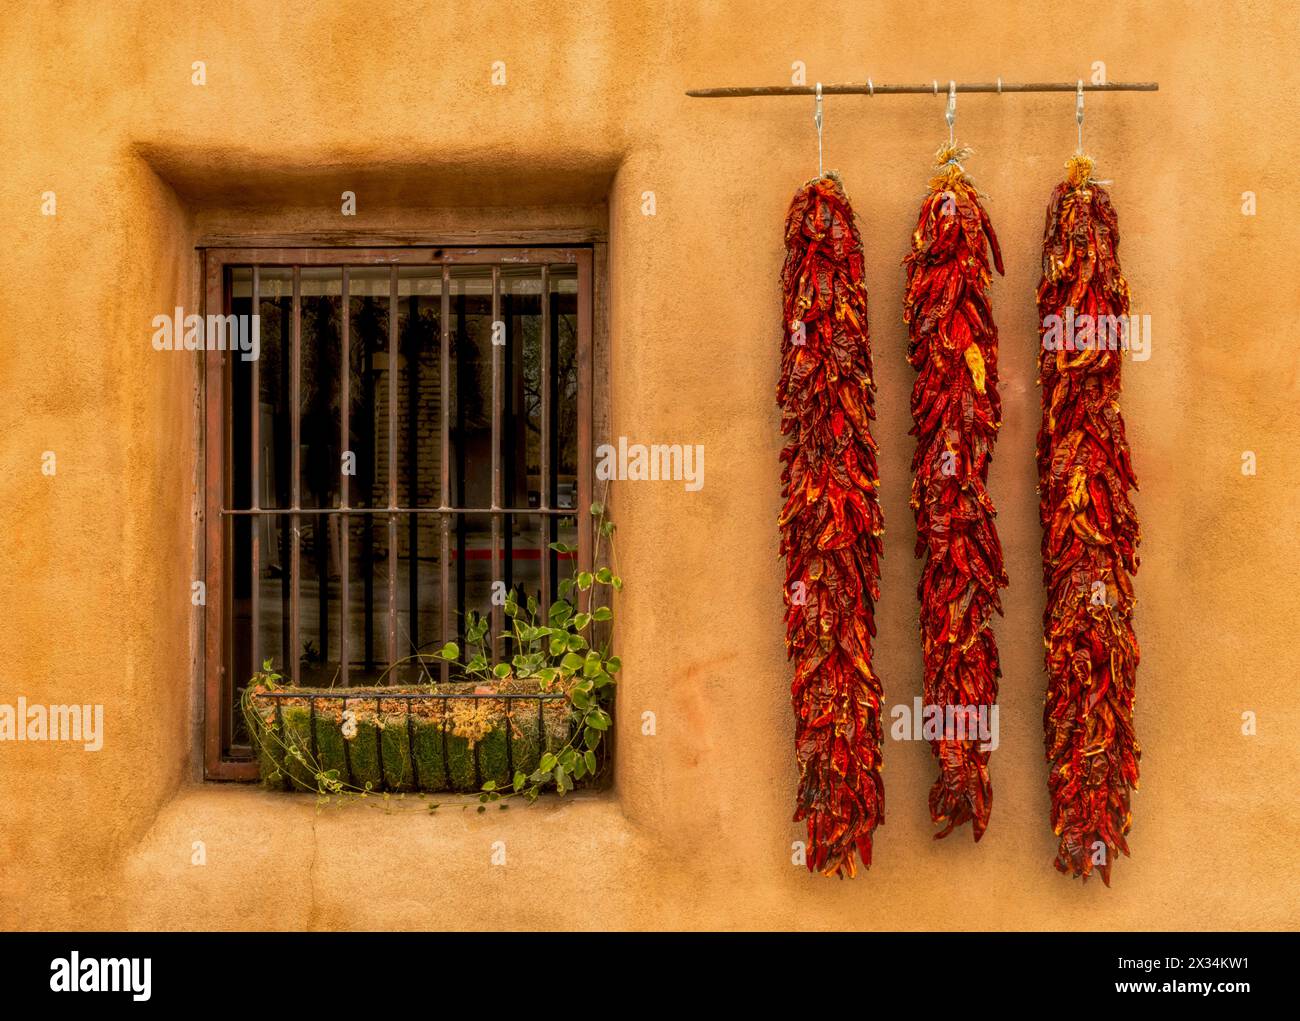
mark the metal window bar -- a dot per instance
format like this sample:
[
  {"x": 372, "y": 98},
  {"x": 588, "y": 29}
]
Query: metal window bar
[
  {"x": 295, "y": 484},
  {"x": 444, "y": 461},
  {"x": 392, "y": 466},
  {"x": 345, "y": 492},
  {"x": 219, "y": 476},
  {"x": 498, "y": 400},
  {"x": 459, "y": 454},
  {"x": 412, "y": 360},
  {"x": 544, "y": 445}
]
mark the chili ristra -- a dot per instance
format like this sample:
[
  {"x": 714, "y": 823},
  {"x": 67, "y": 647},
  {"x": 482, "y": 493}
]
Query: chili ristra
[
  {"x": 1090, "y": 529},
  {"x": 831, "y": 528},
  {"x": 957, "y": 411}
]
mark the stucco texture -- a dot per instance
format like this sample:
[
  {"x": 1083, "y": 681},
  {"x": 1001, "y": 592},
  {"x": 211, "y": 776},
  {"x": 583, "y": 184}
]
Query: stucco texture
[{"x": 395, "y": 101}]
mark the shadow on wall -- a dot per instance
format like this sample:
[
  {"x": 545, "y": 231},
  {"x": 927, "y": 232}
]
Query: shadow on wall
[{"x": 229, "y": 177}]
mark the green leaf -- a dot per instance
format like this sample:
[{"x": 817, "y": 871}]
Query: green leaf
[
  {"x": 562, "y": 547},
  {"x": 590, "y": 759},
  {"x": 591, "y": 738},
  {"x": 532, "y": 606},
  {"x": 562, "y": 784},
  {"x": 580, "y": 699},
  {"x": 584, "y": 580},
  {"x": 547, "y": 763},
  {"x": 604, "y": 576},
  {"x": 607, "y": 528},
  {"x": 617, "y": 582},
  {"x": 491, "y": 785},
  {"x": 548, "y": 674},
  {"x": 571, "y": 662},
  {"x": 558, "y": 645},
  {"x": 567, "y": 758},
  {"x": 579, "y": 769},
  {"x": 501, "y": 670},
  {"x": 559, "y": 612},
  {"x": 581, "y": 621},
  {"x": 576, "y": 643},
  {"x": 450, "y": 651},
  {"x": 613, "y": 664},
  {"x": 597, "y": 508},
  {"x": 602, "y": 613},
  {"x": 519, "y": 780},
  {"x": 599, "y": 719},
  {"x": 566, "y": 588}
]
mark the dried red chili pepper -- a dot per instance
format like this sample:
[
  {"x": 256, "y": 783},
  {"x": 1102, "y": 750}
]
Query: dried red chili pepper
[
  {"x": 957, "y": 411},
  {"x": 831, "y": 528},
  {"x": 1090, "y": 530}
]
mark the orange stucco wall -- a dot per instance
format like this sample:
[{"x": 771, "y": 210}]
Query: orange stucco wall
[{"x": 395, "y": 102}]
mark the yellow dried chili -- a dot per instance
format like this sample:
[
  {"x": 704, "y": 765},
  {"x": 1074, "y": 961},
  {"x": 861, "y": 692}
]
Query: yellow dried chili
[
  {"x": 957, "y": 411},
  {"x": 1090, "y": 529},
  {"x": 831, "y": 527}
]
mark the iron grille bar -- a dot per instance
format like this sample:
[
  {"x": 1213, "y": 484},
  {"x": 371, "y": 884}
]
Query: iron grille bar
[
  {"x": 498, "y": 614},
  {"x": 392, "y": 465},
  {"x": 584, "y": 423},
  {"x": 444, "y": 460},
  {"x": 255, "y": 486},
  {"x": 295, "y": 485},
  {"x": 462, "y": 342},
  {"x": 413, "y": 336},
  {"x": 544, "y": 442},
  {"x": 345, "y": 494}
]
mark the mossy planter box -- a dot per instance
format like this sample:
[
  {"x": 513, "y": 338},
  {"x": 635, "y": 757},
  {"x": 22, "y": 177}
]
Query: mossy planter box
[{"x": 448, "y": 737}]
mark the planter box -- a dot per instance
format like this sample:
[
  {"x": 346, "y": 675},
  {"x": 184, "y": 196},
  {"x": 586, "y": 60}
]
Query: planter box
[{"x": 449, "y": 737}]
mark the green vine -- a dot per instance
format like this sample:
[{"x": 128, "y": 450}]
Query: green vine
[{"x": 564, "y": 653}]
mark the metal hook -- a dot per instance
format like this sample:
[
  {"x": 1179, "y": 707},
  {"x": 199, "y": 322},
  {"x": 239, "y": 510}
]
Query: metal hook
[
  {"x": 999, "y": 85},
  {"x": 1078, "y": 115},
  {"x": 817, "y": 119},
  {"x": 871, "y": 89},
  {"x": 951, "y": 114}
]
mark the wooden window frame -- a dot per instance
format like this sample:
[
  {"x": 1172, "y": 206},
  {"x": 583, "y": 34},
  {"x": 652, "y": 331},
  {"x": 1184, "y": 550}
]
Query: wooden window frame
[{"x": 219, "y": 761}]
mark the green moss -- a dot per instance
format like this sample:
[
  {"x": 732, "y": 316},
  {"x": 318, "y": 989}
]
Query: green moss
[
  {"x": 429, "y": 759},
  {"x": 363, "y": 753},
  {"x": 408, "y": 752},
  {"x": 492, "y": 761},
  {"x": 460, "y": 764},
  {"x": 297, "y": 738},
  {"x": 395, "y": 743},
  {"x": 525, "y": 748},
  {"x": 270, "y": 755},
  {"x": 330, "y": 751}
]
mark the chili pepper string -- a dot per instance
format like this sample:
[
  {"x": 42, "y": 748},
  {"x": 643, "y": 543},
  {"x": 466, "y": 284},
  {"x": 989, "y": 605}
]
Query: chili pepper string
[
  {"x": 957, "y": 411},
  {"x": 1090, "y": 530},
  {"x": 831, "y": 528}
]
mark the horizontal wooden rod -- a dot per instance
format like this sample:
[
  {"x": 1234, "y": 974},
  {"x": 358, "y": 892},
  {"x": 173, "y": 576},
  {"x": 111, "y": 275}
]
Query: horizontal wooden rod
[{"x": 936, "y": 88}]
